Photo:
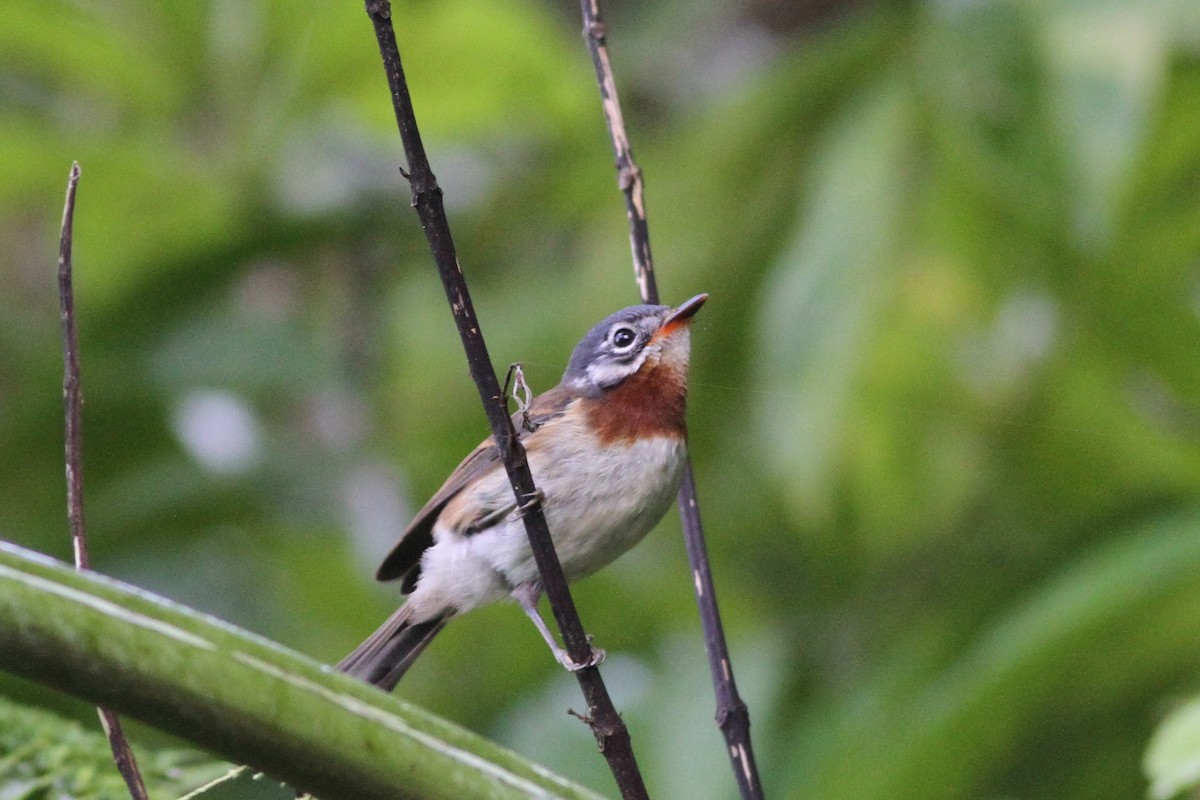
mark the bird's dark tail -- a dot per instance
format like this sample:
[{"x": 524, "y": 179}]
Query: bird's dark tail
[{"x": 383, "y": 658}]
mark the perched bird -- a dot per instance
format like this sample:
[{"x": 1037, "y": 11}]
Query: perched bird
[{"x": 606, "y": 448}]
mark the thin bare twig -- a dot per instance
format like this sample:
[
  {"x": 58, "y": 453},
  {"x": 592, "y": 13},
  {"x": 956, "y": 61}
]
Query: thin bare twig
[
  {"x": 73, "y": 402},
  {"x": 72, "y": 393},
  {"x": 611, "y": 733},
  {"x": 733, "y": 717},
  {"x": 629, "y": 176}
]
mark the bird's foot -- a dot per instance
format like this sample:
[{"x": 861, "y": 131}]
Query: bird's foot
[
  {"x": 533, "y": 501},
  {"x": 595, "y": 659}
]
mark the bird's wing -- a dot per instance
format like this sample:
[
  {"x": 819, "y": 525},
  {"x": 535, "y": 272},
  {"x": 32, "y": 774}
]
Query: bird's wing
[{"x": 405, "y": 558}]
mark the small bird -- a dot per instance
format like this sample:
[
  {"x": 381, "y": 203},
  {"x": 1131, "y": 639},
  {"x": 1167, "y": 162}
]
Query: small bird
[{"x": 606, "y": 448}]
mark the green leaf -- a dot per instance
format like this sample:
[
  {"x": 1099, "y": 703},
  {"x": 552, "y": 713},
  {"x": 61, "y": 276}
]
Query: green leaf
[
  {"x": 1106, "y": 62},
  {"x": 822, "y": 297},
  {"x": 1172, "y": 760}
]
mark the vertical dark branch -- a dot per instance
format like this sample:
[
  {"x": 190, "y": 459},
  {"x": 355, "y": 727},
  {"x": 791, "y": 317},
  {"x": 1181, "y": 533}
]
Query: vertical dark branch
[
  {"x": 611, "y": 733},
  {"x": 733, "y": 717},
  {"x": 73, "y": 402}
]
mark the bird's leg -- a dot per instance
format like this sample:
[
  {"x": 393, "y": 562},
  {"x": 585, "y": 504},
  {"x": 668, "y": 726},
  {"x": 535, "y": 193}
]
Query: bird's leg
[
  {"x": 527, "y": 594},
  {"x": 487, "y": 521},
  {"x": 512, "y": 512}
]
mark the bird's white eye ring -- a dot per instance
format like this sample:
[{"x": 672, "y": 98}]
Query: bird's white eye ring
[{"x": 623, "y": 337}]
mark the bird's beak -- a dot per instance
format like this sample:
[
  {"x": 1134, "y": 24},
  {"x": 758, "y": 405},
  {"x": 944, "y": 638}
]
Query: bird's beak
[{"x": 682, "y": 315}]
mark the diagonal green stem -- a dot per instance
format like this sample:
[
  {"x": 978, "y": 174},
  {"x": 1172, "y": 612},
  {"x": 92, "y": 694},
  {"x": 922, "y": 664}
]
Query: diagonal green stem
[{"x": 245, "y": 698}]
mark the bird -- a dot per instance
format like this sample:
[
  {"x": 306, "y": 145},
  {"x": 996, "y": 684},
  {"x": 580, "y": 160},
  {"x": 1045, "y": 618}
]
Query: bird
[{"x": 606, "y": 448}]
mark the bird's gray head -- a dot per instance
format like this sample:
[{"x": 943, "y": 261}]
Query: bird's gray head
[{"x": 622, "y": 343}]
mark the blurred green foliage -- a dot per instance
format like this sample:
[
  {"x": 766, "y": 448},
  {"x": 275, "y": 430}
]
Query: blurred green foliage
[
  {"x": 42, "y": 758},
  {"x": 946, "y": 395}
]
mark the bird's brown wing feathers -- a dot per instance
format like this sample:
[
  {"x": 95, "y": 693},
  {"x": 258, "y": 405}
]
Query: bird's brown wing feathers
[{"x": 405, "y": 558}]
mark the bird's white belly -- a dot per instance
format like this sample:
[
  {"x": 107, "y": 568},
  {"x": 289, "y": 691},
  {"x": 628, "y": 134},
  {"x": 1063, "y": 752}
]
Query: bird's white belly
[
  {"x": 598, "y": 507},
  {"x": 599, "y": 502}
]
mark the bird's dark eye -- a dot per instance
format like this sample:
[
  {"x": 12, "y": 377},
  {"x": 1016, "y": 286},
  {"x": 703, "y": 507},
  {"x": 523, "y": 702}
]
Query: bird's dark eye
[{"x": 623, "y": 338}]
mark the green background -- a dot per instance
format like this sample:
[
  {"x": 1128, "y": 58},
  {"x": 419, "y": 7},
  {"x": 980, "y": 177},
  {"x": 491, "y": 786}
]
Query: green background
[{"x": 945, "y": 406}]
